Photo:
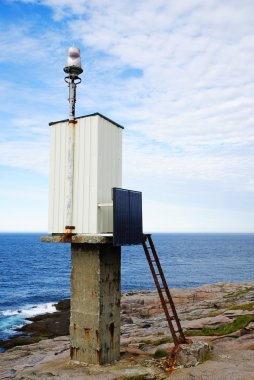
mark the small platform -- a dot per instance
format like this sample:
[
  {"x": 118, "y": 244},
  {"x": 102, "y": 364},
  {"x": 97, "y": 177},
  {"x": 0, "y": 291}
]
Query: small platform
[{"x": 79, "y": 238}]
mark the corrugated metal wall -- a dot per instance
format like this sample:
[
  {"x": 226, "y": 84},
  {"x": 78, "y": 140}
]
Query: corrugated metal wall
[
  {"x": 97, "y": 168},
  {"x": 85, "y": 176},
  {"x": 109, "y": 170},
  {"x": 58, "y": 159}
]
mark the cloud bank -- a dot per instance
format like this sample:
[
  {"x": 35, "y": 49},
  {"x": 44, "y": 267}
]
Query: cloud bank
[{"x": 178, "y": 75}]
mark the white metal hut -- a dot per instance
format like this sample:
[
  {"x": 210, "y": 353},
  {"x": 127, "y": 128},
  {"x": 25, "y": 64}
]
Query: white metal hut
[{"x": 97, "y": 168}]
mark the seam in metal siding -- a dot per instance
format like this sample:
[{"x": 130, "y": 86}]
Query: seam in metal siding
[
  {"x": 61, "y": 210},
  {"x": 75, "y": 217},
  {"x": 94, "y": 175}
]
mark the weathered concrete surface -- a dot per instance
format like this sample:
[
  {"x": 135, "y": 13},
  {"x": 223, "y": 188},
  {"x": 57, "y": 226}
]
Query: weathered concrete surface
[
  {"x": 144, "y": 332},
  {"x": 95, "y": 303},
  {"x": 78, "y": 238}
]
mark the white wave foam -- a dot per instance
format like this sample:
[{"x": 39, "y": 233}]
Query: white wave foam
[
  {"x": 15, "y": 327},
  {"x": 31, "y": 311},
  {"x": 8, "y": 313},
  {"x": 39, "y": 309}
]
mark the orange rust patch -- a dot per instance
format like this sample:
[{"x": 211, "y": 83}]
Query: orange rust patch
[
  {"x": 74, "y": 353},
  {"x": 87, "y": 333},
  {"x": 98, "y": 354}
]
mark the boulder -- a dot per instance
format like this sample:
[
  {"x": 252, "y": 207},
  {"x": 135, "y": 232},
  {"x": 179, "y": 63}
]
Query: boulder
[{"x": 190, "y": 355}]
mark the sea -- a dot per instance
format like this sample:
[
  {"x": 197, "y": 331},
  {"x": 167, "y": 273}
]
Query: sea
[{"x": 35, "y": 275}]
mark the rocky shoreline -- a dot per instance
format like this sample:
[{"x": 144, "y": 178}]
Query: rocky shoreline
[
  {"x": 220, "y": 314},
  {"x": 44, "y": 326}
]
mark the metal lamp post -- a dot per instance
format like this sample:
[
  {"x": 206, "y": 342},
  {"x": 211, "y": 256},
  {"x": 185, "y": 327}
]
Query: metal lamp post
[{"x": 73, "y": 69}]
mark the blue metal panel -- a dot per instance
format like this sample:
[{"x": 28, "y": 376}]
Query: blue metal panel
[
  {"x": 127, "y": 217},
  {"x": 136, "y": 228}
]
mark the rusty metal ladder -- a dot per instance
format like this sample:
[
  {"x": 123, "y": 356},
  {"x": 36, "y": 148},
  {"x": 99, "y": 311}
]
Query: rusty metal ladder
[{"x": 163, "y": 290}]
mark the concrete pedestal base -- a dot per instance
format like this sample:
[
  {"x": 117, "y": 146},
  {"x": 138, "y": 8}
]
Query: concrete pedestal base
[{"x": 95, "y": 303}]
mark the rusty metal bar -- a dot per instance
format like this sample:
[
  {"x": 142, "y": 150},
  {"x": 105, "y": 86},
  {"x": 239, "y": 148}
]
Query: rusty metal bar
[
  {"x": 170, "y": 324},
  {"x": 170, "y": 299},
  {"x": 70, "y": 163}
]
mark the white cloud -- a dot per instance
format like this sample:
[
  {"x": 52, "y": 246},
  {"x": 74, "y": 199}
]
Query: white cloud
[
  {"x": 189, "y": 110},
  {"x": 195, "y": 87},
  {"x": 38, "y": 194},
  {"x": 164, "y": 217},
  {"x": 25, "y": 155},
  {"x": 62, "y": 8},
  {"x": 226, "y": 170}
]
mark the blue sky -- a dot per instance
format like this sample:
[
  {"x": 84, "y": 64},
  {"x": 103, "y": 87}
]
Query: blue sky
[{"x": 179, "y": 76}]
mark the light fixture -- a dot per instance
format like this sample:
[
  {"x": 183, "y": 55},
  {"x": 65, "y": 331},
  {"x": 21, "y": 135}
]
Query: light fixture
[{"x": 73, "y": 69}]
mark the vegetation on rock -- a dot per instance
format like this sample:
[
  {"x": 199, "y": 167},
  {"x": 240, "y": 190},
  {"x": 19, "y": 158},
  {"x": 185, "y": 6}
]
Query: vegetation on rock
[{"x": 239, "y": 323}]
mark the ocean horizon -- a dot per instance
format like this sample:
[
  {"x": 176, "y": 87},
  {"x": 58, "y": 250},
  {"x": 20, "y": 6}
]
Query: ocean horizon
[{"x": 36, "y": 275}]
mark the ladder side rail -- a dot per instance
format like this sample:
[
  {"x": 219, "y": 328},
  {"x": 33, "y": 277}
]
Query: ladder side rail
[
  {"x": 172, "y": 305},
  {"x": 170, "y": 324}
]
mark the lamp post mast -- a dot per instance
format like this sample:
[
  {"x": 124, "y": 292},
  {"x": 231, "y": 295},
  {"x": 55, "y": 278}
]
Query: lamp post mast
[{"x": 73, "y": 69}]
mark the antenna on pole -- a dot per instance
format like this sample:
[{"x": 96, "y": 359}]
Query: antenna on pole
[{"x": 73, "y": 69}]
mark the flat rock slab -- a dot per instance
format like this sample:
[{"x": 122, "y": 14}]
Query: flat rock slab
[{"x": 210, "y": 322}]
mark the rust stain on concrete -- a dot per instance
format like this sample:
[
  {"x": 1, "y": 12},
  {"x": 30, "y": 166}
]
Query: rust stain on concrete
[
  {"x": 97, "y": 336},
  {"x": 98, "y": 355},
  {"x": 87, "y": 333},
  {"x": 74, "y": 353},
  {"x": 112, "y": 331}
]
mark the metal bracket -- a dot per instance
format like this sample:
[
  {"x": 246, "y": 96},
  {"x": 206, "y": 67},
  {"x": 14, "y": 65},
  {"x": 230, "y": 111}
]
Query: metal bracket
[{"x": 105, "y": 204}]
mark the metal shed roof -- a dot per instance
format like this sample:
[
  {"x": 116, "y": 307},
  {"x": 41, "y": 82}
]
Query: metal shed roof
[{"x": 90, "y": 115}]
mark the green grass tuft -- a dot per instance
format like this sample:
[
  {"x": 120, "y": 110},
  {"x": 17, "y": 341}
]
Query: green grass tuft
[
  {"x": 236, "y": 294},
  {"x": 205, "y": 357},
  {"x": 160, "y": 354},
  {"x": 239, "y": 323},
  {"x": 244, "y": 307},
  {"x": 214, "y": 314},
  {"x": 162, "y": 341}
]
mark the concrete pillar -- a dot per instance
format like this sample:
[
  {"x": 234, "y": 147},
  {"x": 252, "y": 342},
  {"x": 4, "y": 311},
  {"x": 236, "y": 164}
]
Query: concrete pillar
[{"x": 95, "y": 303}]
